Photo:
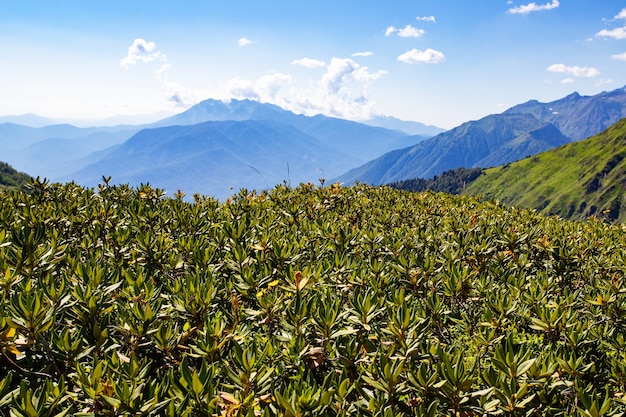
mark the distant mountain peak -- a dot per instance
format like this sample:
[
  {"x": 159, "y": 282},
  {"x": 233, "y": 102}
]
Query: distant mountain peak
[
  {"x": 29, "y": 119},
  {"x": 406, "y": 126}
]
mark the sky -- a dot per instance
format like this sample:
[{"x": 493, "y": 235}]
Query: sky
[{"x": 439, "y": 62}]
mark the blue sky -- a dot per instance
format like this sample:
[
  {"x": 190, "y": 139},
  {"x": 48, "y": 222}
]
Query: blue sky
[{"x": 440, "y": 62}]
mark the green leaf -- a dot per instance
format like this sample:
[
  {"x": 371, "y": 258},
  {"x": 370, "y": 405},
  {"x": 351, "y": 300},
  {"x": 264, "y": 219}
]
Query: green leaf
[{"x": 196, "y": 384}]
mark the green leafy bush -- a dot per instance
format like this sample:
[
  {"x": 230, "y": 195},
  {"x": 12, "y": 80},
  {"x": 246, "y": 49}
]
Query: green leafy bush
[{"x": 305, "y": 302}]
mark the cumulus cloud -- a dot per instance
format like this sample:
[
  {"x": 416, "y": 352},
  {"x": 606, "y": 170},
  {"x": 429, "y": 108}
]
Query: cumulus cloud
[
  {"x": 390, "y": 30},
  {"x": 366, "y": 53},
  {"x": 239, "y": 88},
  {"x": 410, "y": 32},
  {"x": 426, "y": 19},
  {"x": 619, "y": 33},
  {"x": 308, "y": 63},
  {"x": 406, "y": 32},
  {"x": 574, "y": 70},
  {"x": 179, "y": 95},
  {"x": 567, "y": 81},
  {"x": 619, "y": 57},
  {"x": 343, "y": 70},
  {"x": 164, "y": 68},
  {"x": 428, "y": 56},
  {"x": 146, "y": 52},
  {"x": 244, "y": 42},
  {"x": 342, "y": 91},
  {"x": 533, "y": 7},
  {"x": 142, "y": 50},
  {"x": 264, "y": 89},
  {"x": 270, "y": 85}
]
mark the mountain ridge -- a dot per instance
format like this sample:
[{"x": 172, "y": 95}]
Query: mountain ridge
[
  {"x": 344, "y": 135},
  {"x": 214, "y": 156},
  {"x": 502, "y": 135},
  {"x": 463, "y": 146}
]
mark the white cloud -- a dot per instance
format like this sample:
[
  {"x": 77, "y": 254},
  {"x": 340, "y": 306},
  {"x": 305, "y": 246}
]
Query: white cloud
[
  {"x": 265, "y": 89},
  {"x": 308, "y": 63},
  {"x": 240, "y": 89},
  {"x": 567, "y": 80},
  {"x": 622, "y": 14},
  {"x": 342, "y": 91},
  {"x": 390, "y": 30},
  {"x": 144, "y": 51},
  {"x": 343, "y": 70},
  {"x": 270, "y": 85},
  {"x": 575, "y": 70},
  {"x": 426, "y": 19},
  {"x": 407, "y": 32},
  {"x": 179, "y": 95},
  {"x": 141, "y": 50},
  {"x": 410, "y": 32},
  {"x": 366, "y": 53},
  {"x": 619, "y": 33},
  {"x": 164, "y": 68},
  {"x": 619, "y": 57},
  {"x": 533, "y": 7},
  {"x": 244, "y": 42},
  {"x": 429, "y": 56}
]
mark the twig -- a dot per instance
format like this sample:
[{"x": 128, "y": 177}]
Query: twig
[{"x": 26, "y": 371}]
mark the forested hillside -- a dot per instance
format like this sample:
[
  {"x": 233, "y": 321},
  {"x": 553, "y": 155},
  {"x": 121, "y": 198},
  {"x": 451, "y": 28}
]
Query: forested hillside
[
  {"x": 451, "y": 182},
  {"x": 311, "y": 301},
  {"x": 10, "y": 177}
]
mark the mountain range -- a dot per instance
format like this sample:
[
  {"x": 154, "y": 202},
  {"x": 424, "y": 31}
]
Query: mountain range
[
  {"x": 358, "y": 140},
  {"x": 56, "y": 150},
  {"x": 212, "y": 148},
  {"x": 520, "y": 131},
  {"x": 216, "y": 147},
  {"x": 216, "y": 157}
]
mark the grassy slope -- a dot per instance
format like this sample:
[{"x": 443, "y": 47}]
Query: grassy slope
[
  {"x": 573, "y": 181},
  {"x": 10, "y": 177}
]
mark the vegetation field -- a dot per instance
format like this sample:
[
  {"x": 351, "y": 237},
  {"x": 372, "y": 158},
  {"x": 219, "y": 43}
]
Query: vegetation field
[{"x": 313, "y": 301}]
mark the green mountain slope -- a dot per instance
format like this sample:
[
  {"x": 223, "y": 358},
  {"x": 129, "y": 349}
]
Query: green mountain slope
[
  {"x": 573, "y": 181},
  {"x": 10, "y": 177}
]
